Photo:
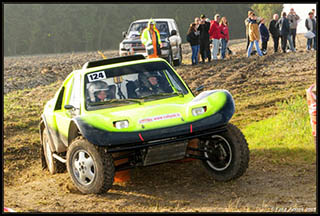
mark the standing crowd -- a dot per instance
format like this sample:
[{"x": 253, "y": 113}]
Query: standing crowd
[
  {"x": 202, "y": 33},
  {"x": 209, "y": 38}
]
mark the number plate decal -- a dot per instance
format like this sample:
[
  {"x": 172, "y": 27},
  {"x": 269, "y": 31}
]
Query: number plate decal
[{"x": 96, "y": 76}]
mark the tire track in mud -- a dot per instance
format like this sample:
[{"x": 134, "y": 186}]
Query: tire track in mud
[{"x": 23, "y": 72}]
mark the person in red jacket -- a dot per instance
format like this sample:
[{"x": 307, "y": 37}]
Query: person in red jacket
[
  {"x": 225, "y": 36},
  {"x": 215, "y": 35}
]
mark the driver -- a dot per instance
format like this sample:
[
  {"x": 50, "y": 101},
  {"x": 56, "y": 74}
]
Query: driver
[{"x": 149, "y": 84}]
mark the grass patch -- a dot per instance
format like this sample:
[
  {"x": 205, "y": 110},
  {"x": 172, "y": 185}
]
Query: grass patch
[
  {"x": 22, "y": 111},
  {"x": 286, "y": 136}
]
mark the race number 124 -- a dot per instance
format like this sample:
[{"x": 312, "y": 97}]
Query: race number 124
[{"x": 96, "y": 76}]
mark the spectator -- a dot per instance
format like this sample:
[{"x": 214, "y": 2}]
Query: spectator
[
  {"x": 150, "y": 38},
  {"x": 194, "y": 40},
  {"x": 264, "y": 36},
  {"x": 314, "y": 13},
  {"x": 197, "y": 21},
  {"x": 311, "y": 26},
  {"x": 204, "y": 39},
  {"x": 293, "y": 21},
  {"x": 215, "y": 35},
  {"x": 224, "y": 36},
  {"x": 253, "y": 34},
  {"x": 274, "y": 30},
  {"x": 247, "y": 29},
  {"x": 283, "y": 25},
  {"x": 228, "y": 50}
]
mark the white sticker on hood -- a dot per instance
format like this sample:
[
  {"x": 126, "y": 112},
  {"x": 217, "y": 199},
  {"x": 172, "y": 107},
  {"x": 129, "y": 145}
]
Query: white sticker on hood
[{"x": 159, "y": 118}]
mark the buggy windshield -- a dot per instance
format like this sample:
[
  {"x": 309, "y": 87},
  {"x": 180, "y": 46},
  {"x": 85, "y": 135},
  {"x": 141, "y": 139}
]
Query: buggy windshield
[{"x": 131, "y": 84}]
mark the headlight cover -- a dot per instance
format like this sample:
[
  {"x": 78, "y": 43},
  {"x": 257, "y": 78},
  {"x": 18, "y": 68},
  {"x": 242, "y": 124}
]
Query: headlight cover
[
  {"x": 121, "y": 124},
  {"x": 199, "y": 110},
  {"x": 127, "y": 46}
]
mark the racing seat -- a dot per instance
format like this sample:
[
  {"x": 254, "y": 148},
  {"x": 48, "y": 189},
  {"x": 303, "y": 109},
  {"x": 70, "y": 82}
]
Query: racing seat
[
  {"x": 112, "y": 92},
  {"x": 131, "y": 87}
]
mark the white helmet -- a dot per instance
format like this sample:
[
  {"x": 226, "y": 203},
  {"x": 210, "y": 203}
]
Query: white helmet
[{"x": 95, "y": 87}]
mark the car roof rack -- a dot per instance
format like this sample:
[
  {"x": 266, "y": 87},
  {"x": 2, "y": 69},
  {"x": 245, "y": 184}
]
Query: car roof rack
[{"x": 97, "y": 63}]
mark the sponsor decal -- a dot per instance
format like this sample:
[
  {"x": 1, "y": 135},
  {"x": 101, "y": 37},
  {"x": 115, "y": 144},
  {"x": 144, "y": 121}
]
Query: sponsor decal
[{"x": 159, "y": 118}]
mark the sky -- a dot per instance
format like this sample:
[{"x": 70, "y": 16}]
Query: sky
[{"x": 302, "y": 11}]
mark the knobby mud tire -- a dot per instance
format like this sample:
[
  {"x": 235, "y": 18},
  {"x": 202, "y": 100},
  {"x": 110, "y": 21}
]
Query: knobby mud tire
[
  {"x": 104, "y": 172},
  {"x": 240, "y": 156}
]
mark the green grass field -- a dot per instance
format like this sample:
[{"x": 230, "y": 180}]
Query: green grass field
[{"x": 285, "y": 137}]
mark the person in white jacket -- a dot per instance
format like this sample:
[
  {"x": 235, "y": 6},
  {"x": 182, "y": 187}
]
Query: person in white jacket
[{"x": 311, "y": 26}]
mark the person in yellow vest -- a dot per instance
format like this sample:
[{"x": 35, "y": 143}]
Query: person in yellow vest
[{"x": 150, "y": 38}]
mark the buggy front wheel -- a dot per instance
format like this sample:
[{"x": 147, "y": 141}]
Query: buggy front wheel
[
  {"x": 227, "y": 154},
  {"x": 90, "y": 167}
]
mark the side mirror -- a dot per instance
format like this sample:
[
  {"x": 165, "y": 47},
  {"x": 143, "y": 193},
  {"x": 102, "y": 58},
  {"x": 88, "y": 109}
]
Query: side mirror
[
  {"x": 200, "y": 88},
  {"x": 69, "y": 107},
  {"x": 173, "y": 32},
  {"x": 124, "y": 34}
]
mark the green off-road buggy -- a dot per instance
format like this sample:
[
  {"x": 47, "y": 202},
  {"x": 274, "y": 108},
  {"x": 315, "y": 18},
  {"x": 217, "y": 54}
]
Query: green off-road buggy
[{"x": 124, "y": 112}]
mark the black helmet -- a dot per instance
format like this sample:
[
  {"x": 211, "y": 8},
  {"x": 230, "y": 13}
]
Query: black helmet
[{"x": 143, "y": 78}]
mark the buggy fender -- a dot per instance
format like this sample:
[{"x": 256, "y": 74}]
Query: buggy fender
[{"x": 93, "y": 135}]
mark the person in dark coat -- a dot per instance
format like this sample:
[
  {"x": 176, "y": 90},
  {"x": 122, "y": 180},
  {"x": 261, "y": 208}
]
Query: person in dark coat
[
  {"x": 275, "y": 32},
  {"x": 284, "y": 27},
  {"x": 194, "y": 40},
  {"x": 204, "y": 39},
  {"x": 264, "y": 36}
]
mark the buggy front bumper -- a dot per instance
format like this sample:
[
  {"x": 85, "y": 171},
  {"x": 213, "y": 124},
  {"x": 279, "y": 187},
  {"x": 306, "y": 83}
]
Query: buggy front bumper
[{"x": 123, "y": 141}]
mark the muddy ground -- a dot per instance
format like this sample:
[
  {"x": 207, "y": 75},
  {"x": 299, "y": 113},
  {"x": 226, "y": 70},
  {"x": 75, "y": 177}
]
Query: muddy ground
[{"x": 256, "y": 83}]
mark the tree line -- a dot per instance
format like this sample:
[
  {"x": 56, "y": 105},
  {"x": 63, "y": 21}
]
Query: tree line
[{"x": 58, "y": 28}]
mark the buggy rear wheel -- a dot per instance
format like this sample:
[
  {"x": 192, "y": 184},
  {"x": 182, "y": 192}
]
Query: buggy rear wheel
[{"x": 53, "y": 165}]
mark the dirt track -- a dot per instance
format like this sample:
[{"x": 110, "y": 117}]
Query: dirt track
[{"x": 177, "y": 187}]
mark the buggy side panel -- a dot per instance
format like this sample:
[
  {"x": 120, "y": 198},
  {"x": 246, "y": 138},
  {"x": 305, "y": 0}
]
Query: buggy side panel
[{"x": 56, "y": 143}]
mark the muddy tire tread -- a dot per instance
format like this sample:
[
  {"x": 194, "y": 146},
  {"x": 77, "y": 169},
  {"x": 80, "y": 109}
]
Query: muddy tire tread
[{"x": 107, "y": 163}]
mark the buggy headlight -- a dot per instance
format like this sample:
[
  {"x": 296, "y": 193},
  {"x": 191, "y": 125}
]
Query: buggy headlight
[
  {"x": 199, "y": 110},
  {"x": 121, "y": 124}
]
